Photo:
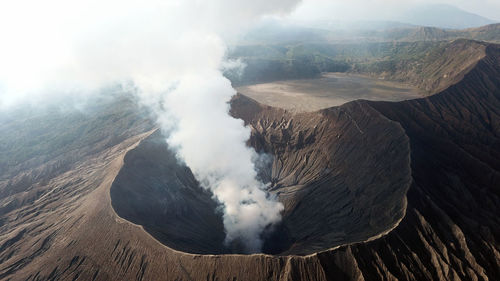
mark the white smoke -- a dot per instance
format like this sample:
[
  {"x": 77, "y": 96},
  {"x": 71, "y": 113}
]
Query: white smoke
[
  {"x": 213, "y": 145},
  {"x": 172, "y": 51}
]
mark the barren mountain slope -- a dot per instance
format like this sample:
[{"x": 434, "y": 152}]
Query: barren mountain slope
[
  {"x": 451, "y": 230},
  {"x": 70, "y": 229},
  {"x": 433, "y": 69},
  {"x": 341, "y": 171}
]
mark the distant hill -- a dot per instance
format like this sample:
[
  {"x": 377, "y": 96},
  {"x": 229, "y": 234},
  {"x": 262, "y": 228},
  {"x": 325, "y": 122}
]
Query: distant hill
[
  {"x": 485, "y": 33},
  {"x": 443, "y": 16},
  {"x": 489, "y": 33},
  {"x": 361, "y": 32}
]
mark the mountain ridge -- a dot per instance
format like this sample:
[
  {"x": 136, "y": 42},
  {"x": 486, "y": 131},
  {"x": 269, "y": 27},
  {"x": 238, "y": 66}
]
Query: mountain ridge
[{"x": 69, "y": 230}]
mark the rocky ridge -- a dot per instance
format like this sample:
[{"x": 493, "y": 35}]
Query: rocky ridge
[{"x": 442, "y": 222}]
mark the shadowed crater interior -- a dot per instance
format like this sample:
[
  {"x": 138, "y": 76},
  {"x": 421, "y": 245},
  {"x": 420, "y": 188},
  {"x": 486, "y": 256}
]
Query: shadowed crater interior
[{"x": 341, "y": 173}]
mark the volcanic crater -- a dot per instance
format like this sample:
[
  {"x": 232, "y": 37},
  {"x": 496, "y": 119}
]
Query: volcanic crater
[{"x": 342, "y": 174}]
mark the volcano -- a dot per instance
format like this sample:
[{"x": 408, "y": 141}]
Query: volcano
[{"x": 373, "y": 190}]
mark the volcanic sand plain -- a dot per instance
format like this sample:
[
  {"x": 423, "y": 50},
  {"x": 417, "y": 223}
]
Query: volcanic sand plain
[{"x": 331, "y": 89}]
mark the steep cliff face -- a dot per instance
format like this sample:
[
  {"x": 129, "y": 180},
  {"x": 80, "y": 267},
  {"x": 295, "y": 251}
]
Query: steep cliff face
[
  {"x": 451, "y": 230},
  {"x": 373, "y": 191},
  {"x": 433, "y": 69},
  {"x": 341, "y": 173}
]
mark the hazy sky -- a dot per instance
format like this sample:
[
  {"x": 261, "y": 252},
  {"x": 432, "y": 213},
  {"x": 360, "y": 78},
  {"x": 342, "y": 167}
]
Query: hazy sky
[{"x": 380, "y": 9}]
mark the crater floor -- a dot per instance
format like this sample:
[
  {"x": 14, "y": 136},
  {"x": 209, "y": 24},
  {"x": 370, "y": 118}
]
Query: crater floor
[{"x": 331, "y": 89}]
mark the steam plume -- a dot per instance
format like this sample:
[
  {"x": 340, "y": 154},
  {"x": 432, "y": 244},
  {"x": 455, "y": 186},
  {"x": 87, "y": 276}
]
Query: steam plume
[
  {"x": 213, "y": 146},
  {"x": 172, "y": 51}
]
